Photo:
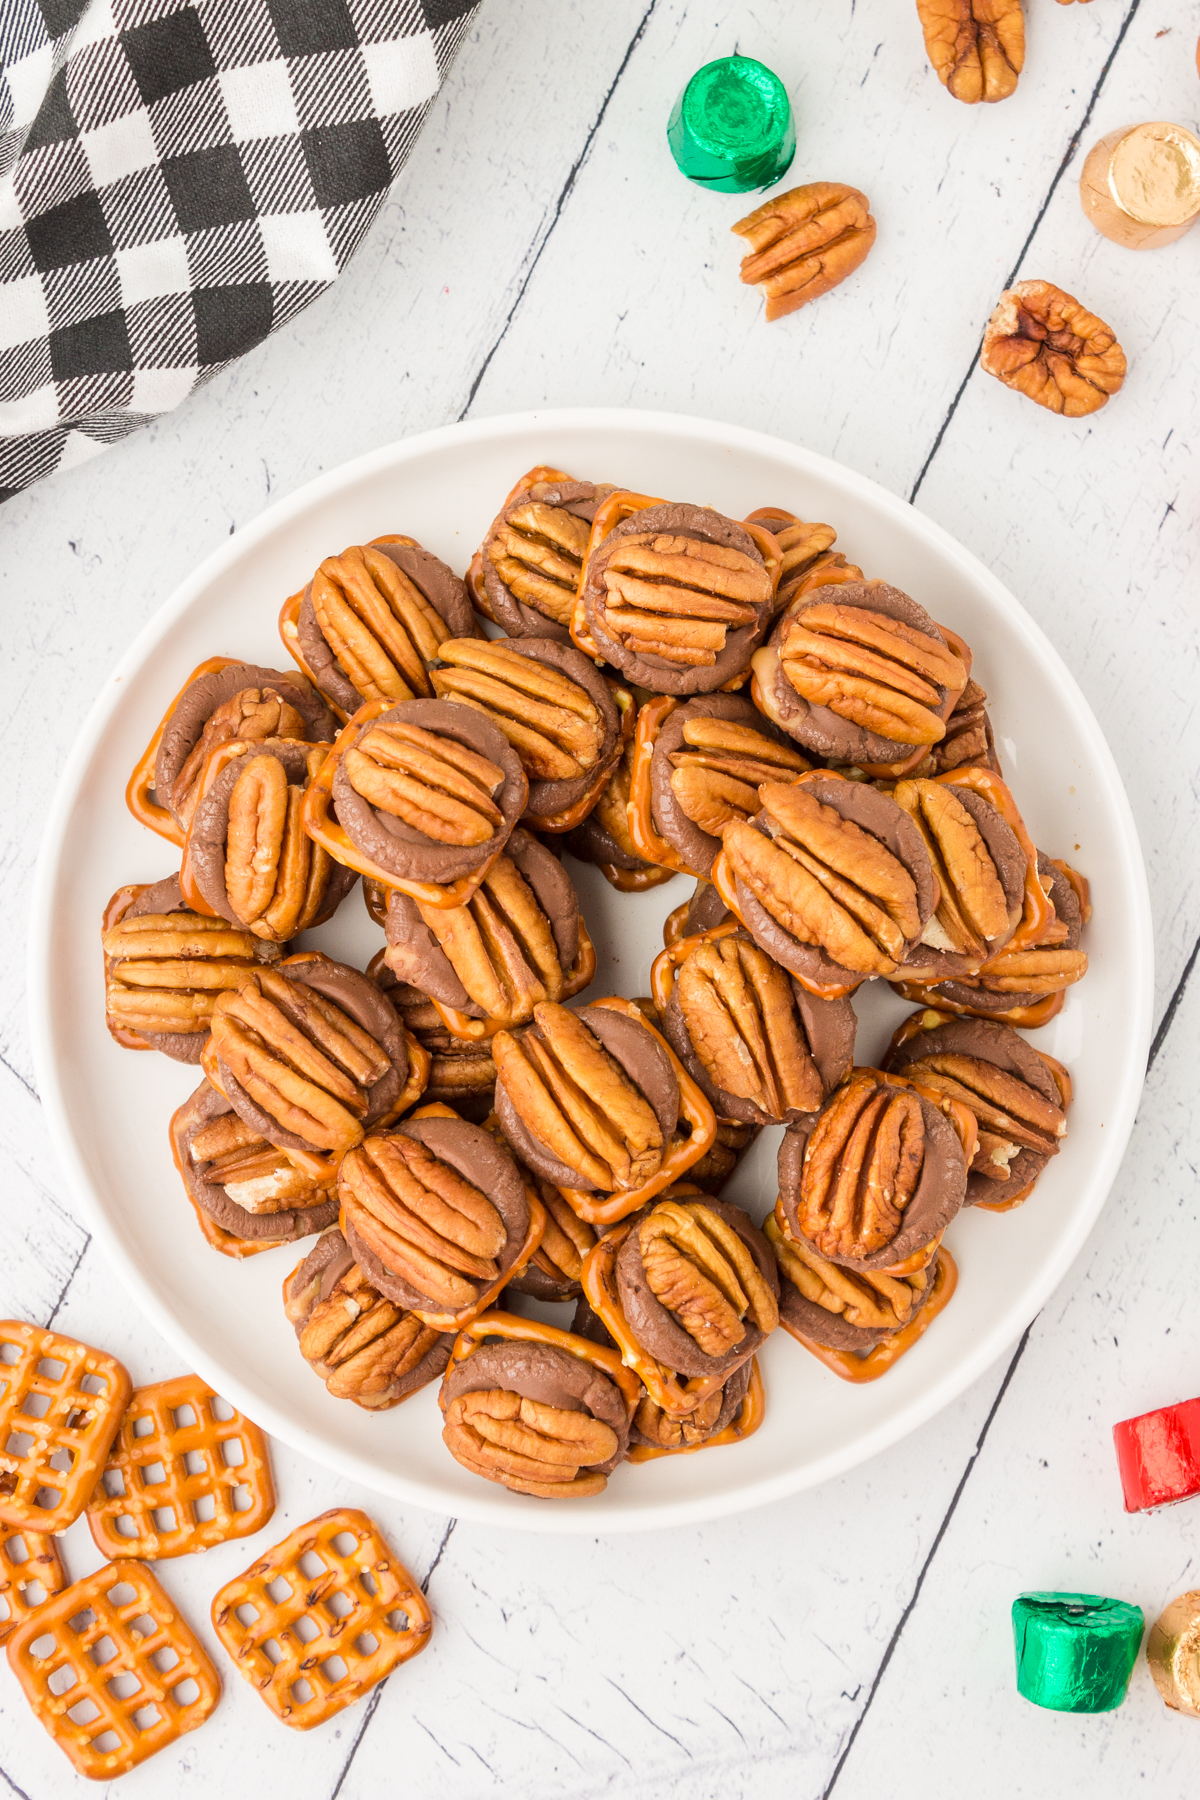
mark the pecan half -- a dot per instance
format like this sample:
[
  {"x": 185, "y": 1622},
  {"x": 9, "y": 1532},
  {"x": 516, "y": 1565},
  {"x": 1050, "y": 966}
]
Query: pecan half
[
  {"x": 253, "y": 1173},
  {"x": 566, "y": 1239},
  {"x": 972, "y": 914},
  {"x": 166, "y": 970},
  {"x": 861, "y": 1166},
  {"x": 1045, "y": 344},
  {"x": 299, "y": 1057},
  {"x": 551, "y": 722},
  {"x": 252, "y": 714},
  {"x": 697, "y": 1267},
  {"x": 871, "y": 669},
  {"x": 526, "y": 1443},
  {"x": 432, "y": 783},
  {"x": 538, "y": 554},
  {"x": 741, "y": 1018},
  {"x": 826, "y": 881},
  {"x": 360, "y": 1343},
  {"x": 1037, "y": 970},
  {"x": 977, "y": 47},
  {"x": 501, "y": 945},
  {"x": 428, "y": 1225},
  {"x": 716, "y": 774},
  {"x": 275, "y": 875},
  {"x": 578, "y": 1101},
  {"x": 379, "y": 625},
  {"x": 677, "y": 597},
  {"x": 1006, "y": 1107},
  {"x": 805, "y": 242},
  {"x": 870, "y": 1302}
]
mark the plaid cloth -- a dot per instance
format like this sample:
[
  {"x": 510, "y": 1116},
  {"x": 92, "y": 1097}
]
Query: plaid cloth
[{"x": 177, "y": 179}]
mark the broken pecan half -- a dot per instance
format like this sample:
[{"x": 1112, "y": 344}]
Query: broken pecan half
[
  {"x": 979, "y": 864},
  {"x": 362, "y": 1346},
  {"x": 807, "y": 868},
  {"x": 739, "y": 1015},
  {"x": 254, "y": 1174},
  {"x": 1045, "y": 344},
  {"x": 805, "y": 242},
  {"x": 560, "y": 1091},
  {"x": 248, "y": 1193},
  {"x": 164, "y": 967},
  {"x": 291, "y": 1057},
  {"x": 977, "y": 47}
]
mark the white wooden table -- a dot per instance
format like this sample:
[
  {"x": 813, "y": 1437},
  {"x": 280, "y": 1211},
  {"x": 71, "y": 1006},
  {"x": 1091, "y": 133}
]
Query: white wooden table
[{"x": 542, "y": 250}]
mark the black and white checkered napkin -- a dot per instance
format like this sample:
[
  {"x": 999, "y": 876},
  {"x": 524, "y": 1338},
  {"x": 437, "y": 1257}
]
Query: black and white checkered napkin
[{"x": 177, "y": 179}]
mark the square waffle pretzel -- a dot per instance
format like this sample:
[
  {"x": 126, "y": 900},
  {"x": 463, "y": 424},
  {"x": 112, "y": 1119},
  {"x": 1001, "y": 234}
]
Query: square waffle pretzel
[
  {"x": 54, "y": 1430},
  {"x": 26, "y": 1557},
  {"x": 128, "y": 1657},
  {"x": 333, "y": 1614},
  {"x": 193, "y": 1470}
]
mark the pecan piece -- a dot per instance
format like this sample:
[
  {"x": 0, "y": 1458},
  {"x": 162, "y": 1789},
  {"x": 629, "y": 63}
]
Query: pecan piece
[
  {"x": 526, "y": 1443},
  {"x": 566, "y": 1239},
  {"x": 700, "y": 1270},
  {"x": 977, "y": 47},
  {"x": 575, "y": 1098},
  {"x": 666, "y": 1433},
  {"x": 805, "y": 242},
  {"x": 299, "y": 1057},
  {"x": 501, "y": 945},
  {"x": 716, "y": 774},
  {"x": 1034, "y": 971},
  {"x": 1045, "y": 344},
  {"x": 871, "y": 669},
  {"x": 973, "y": 915},
  {"x": 968, "y": 741},
  {"x": 379, "y": 625},
  {"x": 252, "y": 714},
  {"x": 677, "y": 597},
  {"x": 826, "y": 880},
  {"x": 165, "y": 970},
  {"x": 738, "y": 1009},
  {"x": 550, "y": 721},
  {"x": 538, "y": 552},
  {"x": 254, "y": 1174},
  {"x": 861, "y": 1166},
  {"x": 432, "y": 783},
  {"x": 428, "y": 1225}
]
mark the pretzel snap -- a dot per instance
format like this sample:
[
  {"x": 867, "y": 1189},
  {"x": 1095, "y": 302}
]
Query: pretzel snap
[
  {"x": 150, "y": 1503},
  {"x": 28, "y": 1561},
  {"x": 60, "y": 1406},
  {"x": 367, "y": 1610}
]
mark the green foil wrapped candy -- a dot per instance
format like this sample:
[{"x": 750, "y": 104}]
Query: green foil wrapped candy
[
  {"x": 731, "y": 128},
  {"x": 1075, "y": 1652}
]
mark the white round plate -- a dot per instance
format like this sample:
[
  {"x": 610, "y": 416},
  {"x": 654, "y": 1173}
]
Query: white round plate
[{"x": 109, "y": 1108}]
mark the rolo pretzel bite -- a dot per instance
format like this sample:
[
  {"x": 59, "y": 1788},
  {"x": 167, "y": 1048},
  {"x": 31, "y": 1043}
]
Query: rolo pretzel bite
[
  {"x": 164, "y": 1515},
  {"x": 368, "y": 1613}
]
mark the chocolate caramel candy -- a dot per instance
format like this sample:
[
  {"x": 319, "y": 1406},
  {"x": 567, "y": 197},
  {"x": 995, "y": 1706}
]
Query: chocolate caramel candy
[
  {"x": 588, "y": 1099},
  {"x": 242, "y": 1181},
  {"x": 247, "y": 853},
  {"x": 429, "y": 791},
  {"x": 708, "y": 760},
  {"x": 243, "y": 702},
  {"x": 310, "y": 1055},
  {"x": 678, "y": 598},
  {"x": 697, "y": 1285},
  {"x": 1019, "y": 1105},
  {"x": 552, "y": 706},
  {"x": 859, "y": 673},
  {"x": 533, "y": 554},
  {"x": 512, "y": 945},
  {"x": 874, "y": 1178},
  {"x": 436, "y": 1215},
  {"x": 763, "y": 1050},
  {"x": 372, "y": 620},
  {"x": 535, "y": 1418},
  {"x": 164, "y": 966},
  {"x": 363, "y": 1347},
  {"x": 833, "y": 880}
]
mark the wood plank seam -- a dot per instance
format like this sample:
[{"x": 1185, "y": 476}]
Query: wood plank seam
[
  {"x": 1173, "y": 1004},
  {"x": 1072, "y": 147},
  {"x": 928, "y": 1563},
  {"x": 563, "y": 197}
]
